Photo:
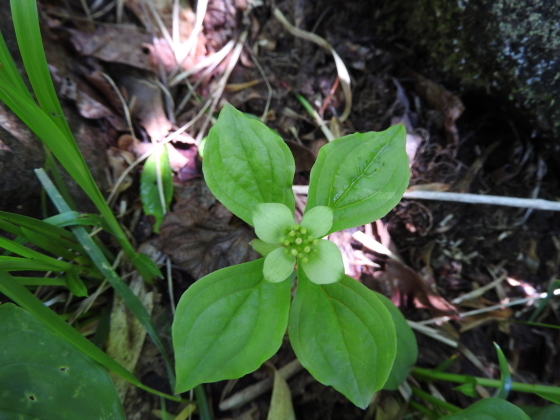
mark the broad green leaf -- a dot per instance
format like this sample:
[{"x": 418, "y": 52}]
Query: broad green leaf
[
  {"x": 156, "y": 184},
  {"x": 23, "y": 297},
  {"x": 505, "y": 374},
  {"x": 271, "y": 220},
  {"x": 278, "y": 265},
  {"x": 407, "y": 348},
  {"x": 551, "y": 412},
  {"x": 325, "y": 266},
  {"x": 42, "y": 376},
  {"x": 227, "y": 324},
  {"x": 344, "y": 336},
  {"x": 489, "y": 409},
  {"x": 246, "y": 163},
  {"x": 318, "y": 220},
  {"x": 361, "y": 177}
]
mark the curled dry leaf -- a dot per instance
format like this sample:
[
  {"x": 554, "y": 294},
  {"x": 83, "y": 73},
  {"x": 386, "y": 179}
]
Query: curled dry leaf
[{"x": 201, "y": 235}]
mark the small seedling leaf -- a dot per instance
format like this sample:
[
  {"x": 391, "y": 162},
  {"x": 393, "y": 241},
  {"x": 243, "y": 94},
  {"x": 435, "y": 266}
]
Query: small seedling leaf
[
  {"x": 344, "y": 336},
  {"x": 407, "y": 348},
  {"x": 505, "y": 374},
  {"x": 245, "y": 163},
  {"x": 361, "y": 177},
  {"x": 490, "y": 409},
  {"x": 43, "y": 376},
  {"x": 156, "y": 184},
  {"x": 227, "y": 324}
]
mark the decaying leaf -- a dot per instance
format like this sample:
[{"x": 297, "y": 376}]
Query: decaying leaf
[
  {"x": 201, "y": 235},
  {"x": 127, "y": 335}
]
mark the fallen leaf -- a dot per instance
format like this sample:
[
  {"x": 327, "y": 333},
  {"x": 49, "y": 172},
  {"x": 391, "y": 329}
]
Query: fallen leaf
[
  {"x": 201, "y": 235},
  {"x": 106, "y": 44}
]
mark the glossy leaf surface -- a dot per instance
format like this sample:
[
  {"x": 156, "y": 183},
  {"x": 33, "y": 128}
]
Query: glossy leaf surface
[
  {"x": 361, "y": 177},
  {"x": 489, "y": 409},
  {"x": 42, "y": 376},
  {"x": 344, "y": 336},
  {"x": 407, "y": 348},
  {"x": 245, "y": 163},
  {"x": 227, "y": 324}
]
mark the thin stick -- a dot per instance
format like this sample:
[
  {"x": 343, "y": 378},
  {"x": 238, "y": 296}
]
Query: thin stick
[{"x": 528, "y": 203}]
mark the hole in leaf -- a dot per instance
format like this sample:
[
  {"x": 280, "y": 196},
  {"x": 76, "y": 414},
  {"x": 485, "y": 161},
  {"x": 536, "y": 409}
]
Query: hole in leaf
[
  {"x": 63, "y": 369},
  {"x": 31, "y": 398}
]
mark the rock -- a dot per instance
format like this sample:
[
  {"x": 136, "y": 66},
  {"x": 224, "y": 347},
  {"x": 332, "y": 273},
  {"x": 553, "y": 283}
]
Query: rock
[{"x": 510, "y": 48}]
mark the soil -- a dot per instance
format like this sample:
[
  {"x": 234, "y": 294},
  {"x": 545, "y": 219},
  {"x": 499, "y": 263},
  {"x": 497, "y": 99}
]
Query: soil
[{"x": 448, "y": 249}]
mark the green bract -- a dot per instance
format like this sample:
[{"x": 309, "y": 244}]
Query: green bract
[
  {"x": 320, "y": 259},
  {"x": 229, "y": 322}
]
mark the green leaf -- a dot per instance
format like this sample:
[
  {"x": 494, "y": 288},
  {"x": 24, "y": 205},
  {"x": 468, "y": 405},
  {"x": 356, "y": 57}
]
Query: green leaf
[
  {"x": 271, "y": 220},
  {"x": 318, "y": 220},
  {"x": 55, "y": 246},
  {"x": 156, "y": 184},
  {"x": 278, "y": 265},
  {"x": 245, "y": 163},
  {"x": 469, "y": 389},
  {"x": 553, "y": 397},
  {"x": 227, "y": 324},
  {"x": 262, "y": 247},
  {"x": 281, "y": 407},
  {"x": 75, "y": 284},
  {"x": 407, "y": 348},
  {"x": 325, "y": 266},
  {"x": 16, "y": 292},
  {"x": 344, "y": 336},
  {"x": 505, "y": 374},
  {"x": 42, "y": 376},
  {"x": 361, "y": 177},
  {"x": 490, "y": 409},
  {"x": 552, "y": 412}
]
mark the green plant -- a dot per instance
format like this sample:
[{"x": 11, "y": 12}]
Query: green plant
[{"x": 229, "y": 322}]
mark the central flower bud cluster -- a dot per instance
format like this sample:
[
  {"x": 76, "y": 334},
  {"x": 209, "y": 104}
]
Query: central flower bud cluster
[{"x": 299, "y": 242}]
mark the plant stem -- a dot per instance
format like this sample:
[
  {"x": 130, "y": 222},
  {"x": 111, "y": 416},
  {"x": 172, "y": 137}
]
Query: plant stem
[
  {"x": 434, "y": 400},
  {"x": 429, "y": 374}
]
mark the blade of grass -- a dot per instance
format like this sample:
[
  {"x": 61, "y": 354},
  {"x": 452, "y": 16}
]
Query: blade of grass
[
  {"x": 39, "y": 281},
  {"x": 25, "y": 264},
  {"x": 505, "y": 374},
  {"x": 429, "y": 374},
  {"x": 24, "y": 298},
  {"x": 98, "y": 258},
  {"x": 37, "y": 256},
  {"x": 47, "y": 123}
]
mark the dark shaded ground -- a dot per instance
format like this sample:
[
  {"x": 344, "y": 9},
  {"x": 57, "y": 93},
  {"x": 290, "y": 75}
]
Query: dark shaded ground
[{"x": 451, "y": 248}]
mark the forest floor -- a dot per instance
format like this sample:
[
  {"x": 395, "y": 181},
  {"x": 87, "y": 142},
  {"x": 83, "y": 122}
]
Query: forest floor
[{"x": 458, "y": 141}]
